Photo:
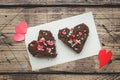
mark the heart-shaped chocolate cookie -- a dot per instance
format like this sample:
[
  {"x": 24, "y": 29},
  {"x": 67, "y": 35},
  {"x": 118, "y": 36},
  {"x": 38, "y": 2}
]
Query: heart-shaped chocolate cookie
[
  {"x": 44, "y": 46},
  {"x": 75, "y": 37}
]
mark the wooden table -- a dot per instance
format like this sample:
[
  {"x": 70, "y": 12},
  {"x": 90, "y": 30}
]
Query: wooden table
[{"x": 14, "y": 62}]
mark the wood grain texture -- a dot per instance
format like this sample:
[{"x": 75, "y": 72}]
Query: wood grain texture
[
  {"x": 58, "y": 77},
  {"x": 59, "y": 2},
  {"x": 107, "y": 23}
]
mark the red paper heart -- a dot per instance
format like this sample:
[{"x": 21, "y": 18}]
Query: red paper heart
[
  {"x": 19, "y": 37},
  {"x": 21, "y": 28},
  {"x": 104, "y": 57}
]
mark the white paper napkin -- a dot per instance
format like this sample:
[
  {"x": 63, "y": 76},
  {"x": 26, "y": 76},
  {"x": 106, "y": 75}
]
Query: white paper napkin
[{"x": 65, "y": 54}]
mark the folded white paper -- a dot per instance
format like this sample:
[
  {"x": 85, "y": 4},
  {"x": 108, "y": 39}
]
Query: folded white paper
[{"x": 65, "y": 54}]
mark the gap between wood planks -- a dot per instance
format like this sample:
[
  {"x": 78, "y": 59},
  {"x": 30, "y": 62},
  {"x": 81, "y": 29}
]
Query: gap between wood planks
[
  {"x": 63, "y": 72},
  {"x": 60, "y": 5}
]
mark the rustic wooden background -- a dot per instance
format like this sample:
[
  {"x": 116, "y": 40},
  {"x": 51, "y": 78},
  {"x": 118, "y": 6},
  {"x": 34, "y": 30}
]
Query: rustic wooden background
[{"x": 14, "y": 62}]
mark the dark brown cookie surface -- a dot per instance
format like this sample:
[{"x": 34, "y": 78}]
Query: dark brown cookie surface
[
  {"x": 44, "y": 46},
  {"x": 75, "y": 37}
]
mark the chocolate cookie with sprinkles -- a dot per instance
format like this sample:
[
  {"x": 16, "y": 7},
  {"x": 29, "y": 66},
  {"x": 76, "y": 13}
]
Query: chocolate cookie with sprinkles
[
  {"x": 75, "y": 37},
  {"x": 44, "y": 46}
]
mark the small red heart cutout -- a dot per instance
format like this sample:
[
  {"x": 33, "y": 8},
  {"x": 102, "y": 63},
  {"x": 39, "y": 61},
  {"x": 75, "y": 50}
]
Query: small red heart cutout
[
  {"x": 104, "y": 57},
  {"x": 19, "y": 37},
  {"x": 21, "y": 28}
]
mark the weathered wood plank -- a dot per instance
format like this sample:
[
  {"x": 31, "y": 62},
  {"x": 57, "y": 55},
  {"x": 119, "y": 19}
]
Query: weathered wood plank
[
  {"x": 59, "y": 2},
  {"x": 109, "y": 17},
  {"x": 21, "y": 64},
  {"x": 59, "y": 77},
  {"x": 14, "y": 61}
]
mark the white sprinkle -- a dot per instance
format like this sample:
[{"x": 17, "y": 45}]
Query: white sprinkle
[
  {"x": 64, "y": 30},
  {"x": 67, "y": 35},
  {"x": 73, "y": 45},
  {"x": 82, "y": 38},
  {"x": 85, "y": 35},
  {"x": 70, "y": 41},
  {"x": 84, "y": 30},
  {"x": 51, "y": 53},
  {"x": 45, "y": 44},
  {"x": 48, "y": 40},
  {"x": 30, "y": 44},
  {"x": 79, "y": 27},
  {"x": 79, "y": 41},
  {"x": 45, "y": 33},
  {"x": 76, "y": 48},
  {"x": 70, "y": 32},
  {"x": 49, "y": 50},
  {"x": 42, "y": 38},
  {"x": 52, "y": 48}
]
